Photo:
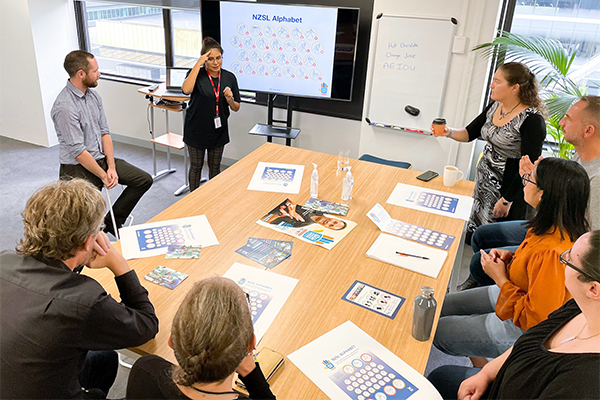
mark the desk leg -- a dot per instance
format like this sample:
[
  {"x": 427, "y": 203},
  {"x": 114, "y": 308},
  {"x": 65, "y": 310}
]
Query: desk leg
[
  {"x": 270, "y": 139},
  {"x": 288, "y": 142},
  {"x": 186, "y": 186}
]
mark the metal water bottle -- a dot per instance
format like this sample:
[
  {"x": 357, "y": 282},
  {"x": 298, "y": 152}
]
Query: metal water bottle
[{"x": 423, "y": 314}]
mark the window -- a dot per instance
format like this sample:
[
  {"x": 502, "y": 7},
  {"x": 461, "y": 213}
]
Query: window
[
  {"x": 134, "y": 42},
  {"x": 575, "y": 23}
]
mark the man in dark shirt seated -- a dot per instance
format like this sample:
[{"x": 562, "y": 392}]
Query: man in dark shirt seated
[{"x": 58, "y": 328}]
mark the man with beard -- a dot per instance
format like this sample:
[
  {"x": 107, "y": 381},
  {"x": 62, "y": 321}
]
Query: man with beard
[{"x": 86, "y": 148}]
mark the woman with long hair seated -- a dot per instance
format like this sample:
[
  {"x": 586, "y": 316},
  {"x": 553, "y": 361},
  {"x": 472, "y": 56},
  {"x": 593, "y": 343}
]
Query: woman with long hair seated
[
  {"x": 486, "y": 321},
  {"x": 212, "y": 337},
  {"x": 559, "y": 358}
]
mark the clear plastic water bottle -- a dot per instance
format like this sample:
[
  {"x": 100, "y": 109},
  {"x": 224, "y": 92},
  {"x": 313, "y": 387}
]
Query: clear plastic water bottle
[
  {"x": 423, "y": 314},
  {"x": 314, "y": 182},
  {"x": 347, "y": 185}
]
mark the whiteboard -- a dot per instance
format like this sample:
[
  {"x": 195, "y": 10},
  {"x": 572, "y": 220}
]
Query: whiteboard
[{"x": 410, "y": 67}]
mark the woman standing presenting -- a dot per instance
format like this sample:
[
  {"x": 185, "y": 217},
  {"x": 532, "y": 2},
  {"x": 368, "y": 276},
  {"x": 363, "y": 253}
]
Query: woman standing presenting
[
  {"x": 513, "y": 126},
  {"x": 213, "y": 92}
]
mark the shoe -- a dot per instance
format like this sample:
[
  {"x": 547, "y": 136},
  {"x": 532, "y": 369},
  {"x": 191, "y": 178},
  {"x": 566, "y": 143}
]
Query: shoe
[{"x": 470, "y": 283}]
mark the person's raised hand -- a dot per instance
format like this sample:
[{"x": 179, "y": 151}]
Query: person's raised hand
[
  {"x": 526, "y": 166},
  {"x": 202, "y": 60}
]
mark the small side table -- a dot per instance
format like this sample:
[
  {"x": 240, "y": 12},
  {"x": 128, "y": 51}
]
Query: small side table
[{"x": 169, "y": 140}]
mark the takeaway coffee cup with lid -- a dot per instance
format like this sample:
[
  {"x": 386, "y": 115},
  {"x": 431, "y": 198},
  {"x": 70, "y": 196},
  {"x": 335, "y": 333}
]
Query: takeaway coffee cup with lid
[{"x": 439, "y": 126}]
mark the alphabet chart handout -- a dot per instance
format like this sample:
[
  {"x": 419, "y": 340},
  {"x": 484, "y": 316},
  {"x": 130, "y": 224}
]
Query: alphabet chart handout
[
  {"x": 433, "y": 201},
  {"x": 347, "y": 363},
  {"x": 267, "y": 293},
  {"x": 151, "y": 239}
]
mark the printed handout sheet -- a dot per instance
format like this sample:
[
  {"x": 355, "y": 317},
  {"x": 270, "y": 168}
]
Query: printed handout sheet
[
  {"x": 267, "y": 293},
  {"x": 433, "y": 201},
  {"x": 346, "y": 363},
  {"x": 420, "y": 234},
  {"x": 152, "y": 239},
  {"x": 275, "y": 177},
  {"x": 307, "y": 224}
]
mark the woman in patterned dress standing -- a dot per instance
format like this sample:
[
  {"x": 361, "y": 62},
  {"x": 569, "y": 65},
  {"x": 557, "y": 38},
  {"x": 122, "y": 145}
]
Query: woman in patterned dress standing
[{"x": 513, "y": 126}]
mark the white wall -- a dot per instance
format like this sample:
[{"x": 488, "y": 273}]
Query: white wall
[
  {"x": 126, "y": 109},
  {"x": 35, "y": 37}
]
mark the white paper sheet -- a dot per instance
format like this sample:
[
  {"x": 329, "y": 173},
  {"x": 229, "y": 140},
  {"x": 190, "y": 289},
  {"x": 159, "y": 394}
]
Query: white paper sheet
[
  {"x": 385, "y": 249},
  {"x": 268, "y": 293},
  {"x": 278, "y": 178},
  {"x": 433, "y": 201},
  {"x": 346, "y": 356},
  {"x": 148, "y": 240}
]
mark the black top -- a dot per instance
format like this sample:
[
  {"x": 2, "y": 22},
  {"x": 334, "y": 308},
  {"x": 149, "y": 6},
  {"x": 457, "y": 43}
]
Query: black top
[
  {"x": 150, "y": 378},
  {"x": 533, "y": 134},
  {"x": 50, "y": 318},
  {"x": 533, "y": 372},
  {"x": 199, "y": 129}
]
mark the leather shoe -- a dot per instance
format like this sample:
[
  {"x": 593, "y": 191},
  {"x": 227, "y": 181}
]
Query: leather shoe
[{"x": 470, "y": 283}]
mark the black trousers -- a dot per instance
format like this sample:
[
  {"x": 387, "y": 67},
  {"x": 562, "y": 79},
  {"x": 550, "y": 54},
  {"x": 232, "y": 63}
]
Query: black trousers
[
  {"x": 137, "y": 183},
  {"x": 99, "y": 373},
  {"x": 197, "y": 161}
]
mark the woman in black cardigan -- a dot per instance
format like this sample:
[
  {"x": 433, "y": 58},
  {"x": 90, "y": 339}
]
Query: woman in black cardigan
[{"x": 559, "y": 358}]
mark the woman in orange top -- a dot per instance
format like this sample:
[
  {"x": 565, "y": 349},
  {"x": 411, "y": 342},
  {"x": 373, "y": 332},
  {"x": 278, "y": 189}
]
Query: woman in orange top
[{"x": 530, "y": 283}]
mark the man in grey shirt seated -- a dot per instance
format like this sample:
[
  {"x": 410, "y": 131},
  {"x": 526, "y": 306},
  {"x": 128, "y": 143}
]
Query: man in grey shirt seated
[
  {"x": 59, "y": 328},
  {"x": 85, "y": 145}
]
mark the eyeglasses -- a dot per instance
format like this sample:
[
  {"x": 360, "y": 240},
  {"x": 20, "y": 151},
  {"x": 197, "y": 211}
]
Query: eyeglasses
[
  {"x": 213, "y": 59},
  {"x": 563, "y": 260},
  {"x": 217, "y": 393},
  {"x": 526, "y": 179}
]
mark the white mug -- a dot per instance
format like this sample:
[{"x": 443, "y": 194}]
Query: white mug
[{"x": 451, "y": 175}]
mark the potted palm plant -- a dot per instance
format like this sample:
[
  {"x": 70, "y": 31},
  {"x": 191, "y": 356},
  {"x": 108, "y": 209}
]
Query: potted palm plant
[{"x": 550, "y": 62}]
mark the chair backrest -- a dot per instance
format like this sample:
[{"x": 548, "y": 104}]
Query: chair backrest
[{"x": 377, "y": 160}]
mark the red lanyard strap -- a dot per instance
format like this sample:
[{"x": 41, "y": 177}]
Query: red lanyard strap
[{"x": 216, "y": 91}]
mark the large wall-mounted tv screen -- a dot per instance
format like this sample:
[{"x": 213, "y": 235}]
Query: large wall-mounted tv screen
[{"x": 305, "y": 51}]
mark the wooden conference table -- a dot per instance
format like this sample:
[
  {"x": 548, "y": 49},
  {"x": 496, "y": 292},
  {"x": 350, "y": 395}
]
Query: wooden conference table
[{"x": 315, "y": 306}]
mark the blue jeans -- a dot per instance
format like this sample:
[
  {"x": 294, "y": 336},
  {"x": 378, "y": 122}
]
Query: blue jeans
[
  {"x": 447, "y": 379},
  {"x": 469, "y": 326},
  {"x": 498, "y": 235}
]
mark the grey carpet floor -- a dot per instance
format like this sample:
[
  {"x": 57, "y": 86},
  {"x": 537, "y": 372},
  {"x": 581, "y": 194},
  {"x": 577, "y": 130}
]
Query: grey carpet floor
[{"x": 25, "y": 167}]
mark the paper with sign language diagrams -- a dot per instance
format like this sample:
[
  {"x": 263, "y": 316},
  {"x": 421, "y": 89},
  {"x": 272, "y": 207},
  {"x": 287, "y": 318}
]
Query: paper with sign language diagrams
[
  {"x": 278, "y": 178},
  {"x": 433, "y": 201},
  {"x": 347, "y": 363},
  {"x": 267, "y": 293}
]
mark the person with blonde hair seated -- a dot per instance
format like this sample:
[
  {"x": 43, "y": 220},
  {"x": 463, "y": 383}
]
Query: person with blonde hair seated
[
  {"x": 559, "y": 358},
  {"x": 212, "y": 337}
]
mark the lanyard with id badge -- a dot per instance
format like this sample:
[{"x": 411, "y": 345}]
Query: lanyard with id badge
[{"x": 217, "y": 93}]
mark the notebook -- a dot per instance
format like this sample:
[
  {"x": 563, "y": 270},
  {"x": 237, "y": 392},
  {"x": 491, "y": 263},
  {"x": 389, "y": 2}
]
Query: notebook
[{"x": 408, "y": 255}]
